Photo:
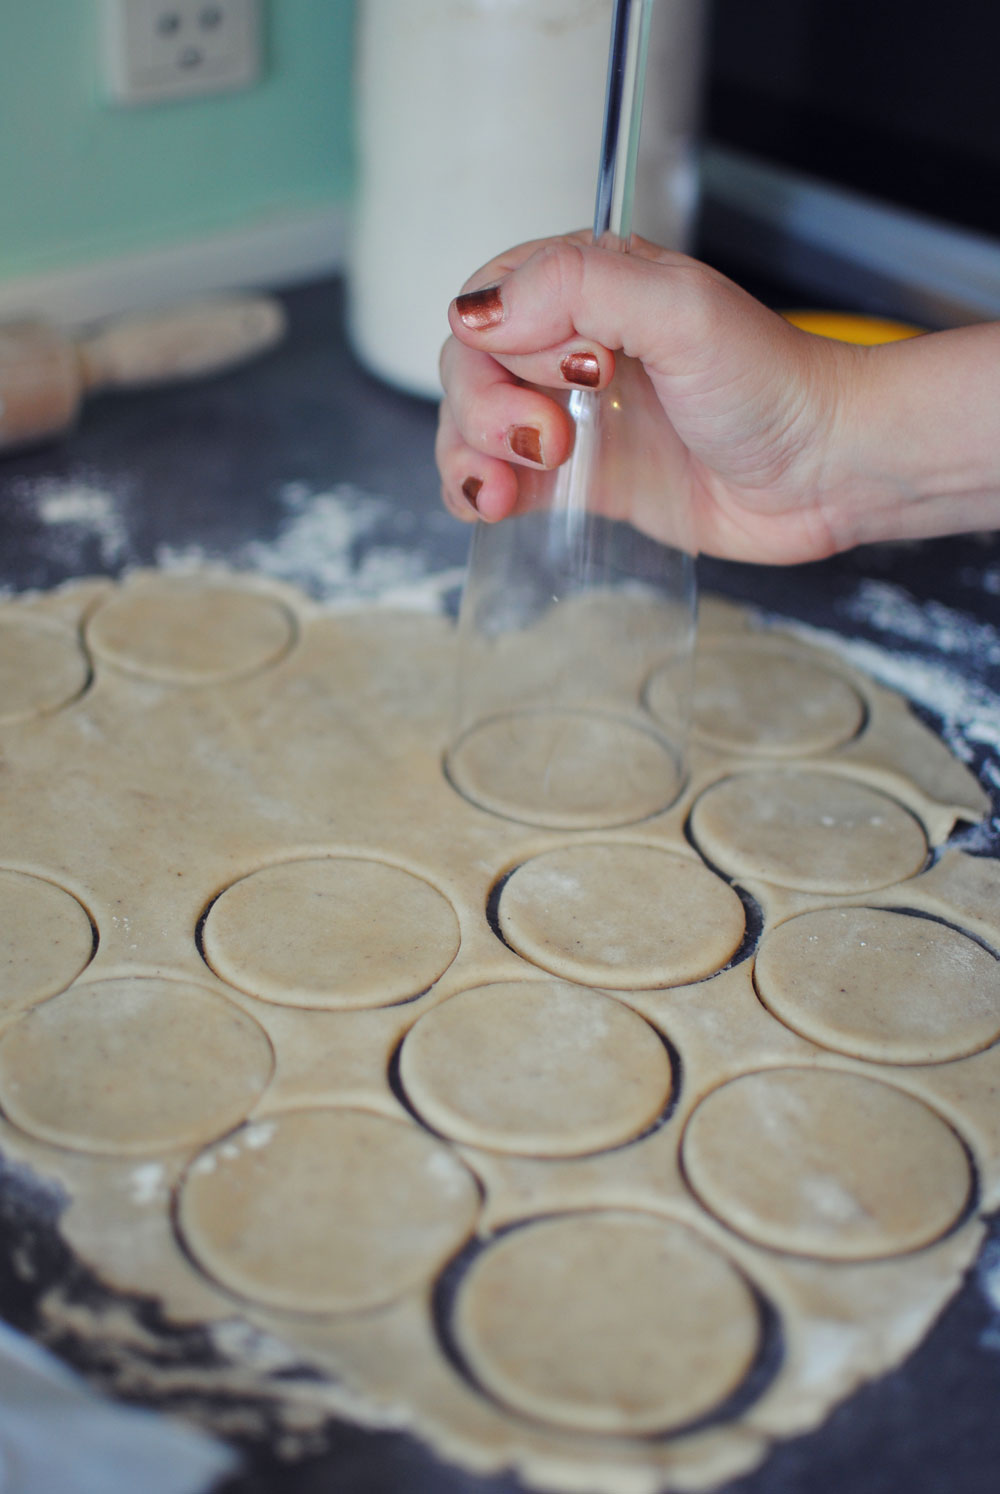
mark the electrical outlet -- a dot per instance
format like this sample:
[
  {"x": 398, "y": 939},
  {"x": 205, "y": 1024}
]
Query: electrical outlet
[{"x": 177, "y": 49}]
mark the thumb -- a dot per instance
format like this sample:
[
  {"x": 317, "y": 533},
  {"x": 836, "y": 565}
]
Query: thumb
[{"x": 661, "y": 307}]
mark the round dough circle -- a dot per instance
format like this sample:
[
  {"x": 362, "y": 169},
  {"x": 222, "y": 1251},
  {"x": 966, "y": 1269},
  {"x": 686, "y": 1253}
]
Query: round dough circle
[
  {"x": 41, "y": 669},
  {"x": 564, "y": 769},
  {"x": 884, "y": 986},
  {"x": 809, "y": 830},
  {"x": 46, "y": 939},
  {"x": 626, "y": 916},
  {"x": 184, "y": 634},
  {"x": 326, "y": 1210},
  {"x": 825, "y": 1163},
  {"x": 337, "y": 931},
  {"x": 144, "y": 1065},
  {"x": 612, "y": 1322},
  {"x": 749, "y": 698},
  {"x": 536, "y": 1067}
]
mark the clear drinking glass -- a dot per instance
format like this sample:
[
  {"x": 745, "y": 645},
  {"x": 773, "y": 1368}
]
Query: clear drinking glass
[
  {"x": 569, "y": 614},
  {"x": 576, "y": 630}
]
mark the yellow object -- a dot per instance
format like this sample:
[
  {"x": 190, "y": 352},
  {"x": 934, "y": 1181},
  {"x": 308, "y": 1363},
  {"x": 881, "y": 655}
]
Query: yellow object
[{"x": 846, "y": 327}]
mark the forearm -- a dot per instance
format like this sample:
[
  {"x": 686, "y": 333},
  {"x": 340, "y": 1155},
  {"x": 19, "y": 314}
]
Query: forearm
[{"x": 920, "y": 426}]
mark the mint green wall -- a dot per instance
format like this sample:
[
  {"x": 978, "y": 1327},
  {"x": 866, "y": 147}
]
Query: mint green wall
[{"x": 81, "y": 180}]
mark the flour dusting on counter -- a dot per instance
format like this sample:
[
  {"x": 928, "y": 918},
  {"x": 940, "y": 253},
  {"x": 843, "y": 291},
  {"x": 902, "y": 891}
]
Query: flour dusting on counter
[
  {"x": 344, "y": 546},
  {"x": 81, "y": 512},
  {"x": 988, "y": 1280},
  {"x": 892, "y": 610},
  {"x": 331, "y": 545},
  {"x": 941, "y": 660},
  {"x": 147, "y": 1182}
]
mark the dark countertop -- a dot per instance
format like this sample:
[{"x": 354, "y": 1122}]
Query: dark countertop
[{"x": 219, "y": 470}]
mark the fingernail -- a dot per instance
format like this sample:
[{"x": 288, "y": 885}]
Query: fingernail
[
  {"x": 470, "y": 488},
  {"x": 581, "y": 368},
  {"x": 526, "y": 441},
  {"x": 480, "y": 309}
]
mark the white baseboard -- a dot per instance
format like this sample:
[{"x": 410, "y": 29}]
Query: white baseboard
[{"x": 267, "y": 255}]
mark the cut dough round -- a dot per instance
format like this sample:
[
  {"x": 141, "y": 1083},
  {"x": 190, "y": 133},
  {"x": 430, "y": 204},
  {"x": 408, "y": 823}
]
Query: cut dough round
[
  {"x": 144, "y": 1065},
  {"x": 326, "y": 1210},
  {"x": 536, "y": 1067},
  {"x": 337, "y": 931},
  {"x": 46, "y": 939},
  {"x": 609, "y": 1322},
  {"x": 41, "y": 669},
  {"x": 627, "y": 916},
  {"x": 826, "y": 1163},
  {"x": 751, "y": 698},
  {"x": 814, "y": 831},
  {"x": 567, "y": 770},
  {"x": 879, "y": 985},
  {"x": 183, "y": 633}
]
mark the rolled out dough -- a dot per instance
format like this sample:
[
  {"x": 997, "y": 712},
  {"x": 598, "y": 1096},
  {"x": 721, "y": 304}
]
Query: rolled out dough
[
  {"x": 306, "y": 1097},
  {"x": 751, "y": 699},
  {"x": 624, "y": 916},
  {"x": 185, "y": 632},
  {"x": 41, "y": 669},
  {"x": 536, "y": 1067},
  {"x": 132, "y": 1066},
  {"x": 807, "y": 830},
  {"x": 46, "y": 940},
  {"x": 831, "y": 1164},
  {"x": 881, "y": 984},
  {"x": 570, "y": 770},
  {"x": 337, "y": 932},
  {"x": 326, "y": 1210},
  {"x": 607, "y": 1322}
]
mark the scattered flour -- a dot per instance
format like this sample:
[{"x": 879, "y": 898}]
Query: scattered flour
[
  {"x": 321, "y": 540},
  {"x": 943, "y": 661},
  {"x": 828, "y": 1349},
  {"x": 258, "y": 1135},
  {"x": 146, "y": 1182},
  {"x": 329, "y": 545},
  {"x": 988, "y": 1280},
  {"x": 239, "y": 1340},
  {"x": 892, "y": 610},
  {"x": 342, "y": 546},
  {"x": 83, "y": 513}
]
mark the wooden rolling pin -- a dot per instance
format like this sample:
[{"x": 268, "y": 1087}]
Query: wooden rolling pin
[{"x": 45, "y": 375}]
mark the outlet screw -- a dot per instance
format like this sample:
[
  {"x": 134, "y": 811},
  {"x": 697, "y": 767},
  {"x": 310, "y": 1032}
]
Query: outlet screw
[{"x": 168, "y": 23}]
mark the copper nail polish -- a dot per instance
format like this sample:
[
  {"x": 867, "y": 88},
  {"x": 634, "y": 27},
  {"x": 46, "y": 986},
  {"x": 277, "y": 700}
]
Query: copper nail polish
[
  {"x": 526, "y": 441},
  {"x": 581, "y": 368},
  {"x": 480, "y": 309},
  {"x": 471, "y": 487}
]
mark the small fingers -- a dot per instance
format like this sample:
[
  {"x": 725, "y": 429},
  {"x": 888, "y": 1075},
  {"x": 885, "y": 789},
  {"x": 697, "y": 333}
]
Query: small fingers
[
  {"x": 473, "y": 485},
  {"x": 573, "y": 365},
  {"x": 499, "y": 416}
]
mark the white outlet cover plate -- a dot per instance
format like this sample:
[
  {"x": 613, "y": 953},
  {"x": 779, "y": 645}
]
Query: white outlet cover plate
[{"x": 155, "y": 50}]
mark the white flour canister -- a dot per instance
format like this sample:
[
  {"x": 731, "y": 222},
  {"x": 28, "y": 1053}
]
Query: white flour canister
[{"x": 478, "y": 125}]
